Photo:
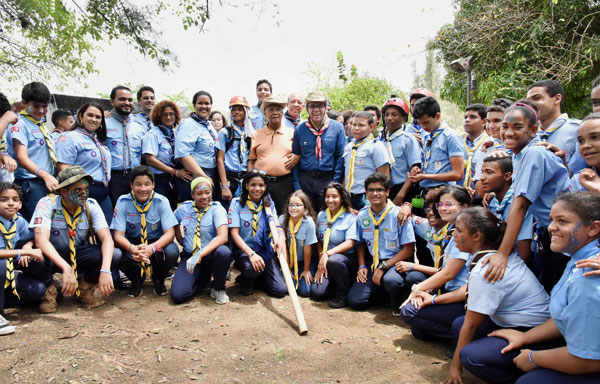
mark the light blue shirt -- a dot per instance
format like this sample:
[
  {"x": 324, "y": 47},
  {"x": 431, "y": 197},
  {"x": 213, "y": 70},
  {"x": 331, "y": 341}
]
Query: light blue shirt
[
  {"x": 232, "y": 156},
  {"x": 143, "y": 120},
  {"x": 306, "y": 235},
  {"x": 257, "y": 118},
  {"x": 577, "y": 163},
  {"x": 407, "y": 152},
  {"x": 369, "y": 157},
  {"x": 518, "y": 300},
  {"x": 128, "y": 220},
  {"x": 413, "y": 127},
  {"x": 344, "y": 228},
  {"x": 188, "y": 218},
  {"x": 50, "y": 216},
  {"x": 565, "y": 137},
  {"x": 444, "y": 146},
  {"x": 425, "y": 232},
  {"x": 194, "y": 139},
  {"x": 392, "y": 236},
  {"x": 23, "y": 231},
  {"x": 123, "y": 157},
  {"x": 526, "y": 232},
  {"x": 576, "y": 184},
  {"x": 28, "y": 134},
  {"x": 156, "y": 143},
  {"x": 539, "y": 176},
  {"x": 575, "y": 306},
  {"x": 241, "y": 217},
  {"x": 78, "y": 147},
  {"x": 452, "y": 252}
]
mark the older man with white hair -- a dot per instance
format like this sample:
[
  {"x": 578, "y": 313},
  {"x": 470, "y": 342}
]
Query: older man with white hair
[{"x": 294, "y": 109}]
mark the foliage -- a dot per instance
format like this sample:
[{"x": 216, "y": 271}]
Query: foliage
[{"x": 517, "y": 42}]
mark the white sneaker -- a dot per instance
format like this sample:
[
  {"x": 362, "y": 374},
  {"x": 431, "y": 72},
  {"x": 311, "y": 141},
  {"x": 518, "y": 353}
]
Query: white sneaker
[
  {"x": 219, "y": 296},
  {"x": 6, "y": 328}
]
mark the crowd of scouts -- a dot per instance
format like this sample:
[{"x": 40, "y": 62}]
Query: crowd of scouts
[{"x": 489, "y": 242}]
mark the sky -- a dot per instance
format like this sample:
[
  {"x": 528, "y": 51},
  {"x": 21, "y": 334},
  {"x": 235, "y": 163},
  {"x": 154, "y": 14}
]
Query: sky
[{"x": 241, "y": 44}]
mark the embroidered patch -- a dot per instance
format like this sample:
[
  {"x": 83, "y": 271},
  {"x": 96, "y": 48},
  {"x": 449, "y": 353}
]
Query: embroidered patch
[
  {"x": 42, "y": 142},
  {"x": 114, "y": 142},
  {"x": 229, "y": 220},
  {"x": 56, "y": 232},
  {"x": 368, "y": 243},
  {"x": 62, "y": 138},
  {"x": 93, "y": 154},
  {"x": 132, "y": 226},
  {"x": 38, "y": 220},
  {"x": 366, "y": 222},
  {"x": 246, "y": 224},
  {"x": 15, "y": 128}
]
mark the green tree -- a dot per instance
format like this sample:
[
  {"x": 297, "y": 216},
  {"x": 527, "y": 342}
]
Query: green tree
[{"x": 516, "y": 42}]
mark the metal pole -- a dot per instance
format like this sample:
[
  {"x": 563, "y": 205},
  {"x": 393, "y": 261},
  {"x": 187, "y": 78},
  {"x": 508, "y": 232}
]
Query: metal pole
[{"x": 469, "y": 86}]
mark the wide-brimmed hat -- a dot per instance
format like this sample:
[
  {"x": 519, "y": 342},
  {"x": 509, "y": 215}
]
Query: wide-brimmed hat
[
  {"x": 315, "y": 97},
  {"x": 72, "y": 175},
  {"x": 273, "y": 100}
]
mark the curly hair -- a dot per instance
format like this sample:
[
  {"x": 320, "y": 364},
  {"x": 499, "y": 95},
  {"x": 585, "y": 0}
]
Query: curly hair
[{"x": 159, "y": 108}]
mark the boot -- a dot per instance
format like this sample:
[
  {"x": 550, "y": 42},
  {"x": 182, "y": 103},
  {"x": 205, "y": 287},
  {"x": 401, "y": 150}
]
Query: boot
[
  {"x": 89, "y": 295},
  {"x": 48, "y": 302}
]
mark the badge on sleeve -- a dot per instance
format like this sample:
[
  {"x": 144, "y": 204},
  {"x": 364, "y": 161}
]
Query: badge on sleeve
[{"x": 37, "y": 220}]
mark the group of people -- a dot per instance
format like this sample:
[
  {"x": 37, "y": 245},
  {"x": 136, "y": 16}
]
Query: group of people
[{"x": 489, "y": 242}]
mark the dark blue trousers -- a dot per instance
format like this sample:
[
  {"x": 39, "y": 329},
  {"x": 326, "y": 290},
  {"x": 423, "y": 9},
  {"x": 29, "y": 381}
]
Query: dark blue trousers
[
  {"x": 357, "y": 201},
  {"x": 434, "y": 321},
  {"x": 30, "y": 290},
  {"x": 161, "y": 263},
  {"x": 164, "y": 184},
  {"x": 548, "y": 376},
  {"x": 100, "y": 194},
  {"x": 303, "y": 288},
  {"x": 270, "y": 280},
  {"x": 314, "y": 186},
  {"x": 341, "y": 271},
  {"x": 33, "y": 191},
  {"x": 186, "y": 285}
]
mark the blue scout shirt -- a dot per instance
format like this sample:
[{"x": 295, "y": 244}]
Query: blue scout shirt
[
  {"x": 306, "y": 235},
  {"x": 125, "y": 154},
  {"x": 23, "y": 231},
  {"x": 143, "y": 120},
  {"x": 478, "y": 155},
  {"x": 128, "y": 220},
  {"x": 575, "y": 306},
  {"x": 576, "y": 184},
  {"x": 28, "y": 133},
  {"x": 333, "y": 141},
  {"x": 156, "y": 143},
  {"x": 539, "y": 176},
  {"x": 241, "y": 217},
  {"x": 50, "y": 216},
  {"x": 232, "y": 156},
  {"x": 342, "y": 229},
  {"x": 188, "y": 218},
  {"x": 425, "y": 232},
  {"x": 257, "y": 118},
  {"x": 392, "y": 236},
  {"x": 78, "y": 147},
  {"x": 501, "y": 211},
  {"x": 577, "y": 163},
  {"x": 562, "y": 133},
  {"x": 452, "y": 252},
  {"x": 369, "y": 156},
  {"x": 406, "y": 152},
  {"x": 196, "y": 140},
  {"x": 518, "y": 300},
  {"x": 442, "y": 147},
  {"x": 413, "y": 127}
]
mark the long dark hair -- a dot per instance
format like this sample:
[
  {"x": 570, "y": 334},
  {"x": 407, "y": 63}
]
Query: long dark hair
[
  {"x": 101, "y": 131},
  {"x": 249, "y": 176},
  {"x": 345, "y": 196},
  {"x": 308, "y": 209}
]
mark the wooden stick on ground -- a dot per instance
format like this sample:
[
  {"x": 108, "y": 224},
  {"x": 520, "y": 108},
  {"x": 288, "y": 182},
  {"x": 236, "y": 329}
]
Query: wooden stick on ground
[{"x": 285, "y": 269}]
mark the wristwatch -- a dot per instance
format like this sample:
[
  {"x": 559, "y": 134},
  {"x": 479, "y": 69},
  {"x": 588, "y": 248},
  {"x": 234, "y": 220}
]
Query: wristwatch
[{"x": 383, "y": 265}]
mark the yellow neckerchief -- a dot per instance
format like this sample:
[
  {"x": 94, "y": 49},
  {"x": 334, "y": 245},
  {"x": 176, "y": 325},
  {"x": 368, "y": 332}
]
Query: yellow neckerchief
[
  {"x": 388, "y": 143},
  {"x": 44, "y": 131},
  {"x": 293, "y": 251},
  {"x": 197, "y": 240},
  {"x": 350, "y": 181},
  {"x": 560, "y": 120},
  {"x": 376, "y": 223},
  {"x": 255, "y": 211},
  {"x": 145, "y": 271},
  {"x": 8, "y": 235},
  {"x": 429, "y": 143},
  {"x": 438, "y": 237},
  {"x": 330, "y": 221},
  {"x": 469, "y": 161},
  {"x": 72, "y": 225}
]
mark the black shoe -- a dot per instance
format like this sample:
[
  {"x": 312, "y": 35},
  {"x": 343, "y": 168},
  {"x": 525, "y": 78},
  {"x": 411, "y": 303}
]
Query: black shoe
[
  {"x": 159, "y": 288},
  {"x": 169, "y": 275},
  {"x": 135, "y": 289},
  {"x": 337, "y": 303},
  {"x": 396, "y": 312},
  {"x": 246, "y": 290},
  {"x": 121, "y": 284}
]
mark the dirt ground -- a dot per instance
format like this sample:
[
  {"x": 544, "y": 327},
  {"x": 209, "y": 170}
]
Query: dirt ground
[{"x": 250, "y": 340}]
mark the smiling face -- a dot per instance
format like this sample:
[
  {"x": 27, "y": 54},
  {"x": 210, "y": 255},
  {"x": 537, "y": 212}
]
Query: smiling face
[
  {"x": 36, "y": 109},
  {"x": 333, "y": 199},
  {"x": 91, "y": 119},
  {"x": 238, "y": 113},
  {"x": 492, "y": 178},
  {"x": 167, "y": 117},
  {"x": 588, "y": 137},
  {"x": 263, "y": 91},
  {"x": 274, "y": 114},
  {"x": 316, "y": 111},
  {"x": 449, "y": 208},
  {"x": 147, "y": 101},
  {"x": 295, "y": 105},
  {"x": 295, "y": 207},
  {"x": 203, "y": 106},
  {"x": 494, "y": 124},
  {"x": 202, "y": 195},
  {"x": 256, "y": 188},
  {"x": 516, "y": 131},
  {"x": 377, "y": 194},
  {"x": 142, "y": 188},
  {"x": 567, "y": 231},
  {"x": 123, "y": 102},
  {"x": 10, "y": 203},
  {"x": 217, "y": 121}
]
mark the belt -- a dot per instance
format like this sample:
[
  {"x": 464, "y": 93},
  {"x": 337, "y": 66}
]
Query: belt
[
  {"x": 236, "y": 175},
  {"x": 98, "y": 184},
  {"x": 123, "y": 172},
  {"x": 357, "y": 194},
  {"x": 318, "y": 173},
  {"x": 277, "y": 179}
]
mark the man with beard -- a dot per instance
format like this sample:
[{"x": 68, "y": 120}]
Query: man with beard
[{"x": 124, "y": 141}]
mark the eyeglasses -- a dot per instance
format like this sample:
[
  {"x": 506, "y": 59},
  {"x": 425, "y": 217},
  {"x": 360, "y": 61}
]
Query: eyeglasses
[
  {"x": 376, "y": 190},
  {"x": 296, "y": 205},
  {"x": 315, "y": 106},
  {"x": 168, "y": 114},
  {"x": 448, "y": 204}
]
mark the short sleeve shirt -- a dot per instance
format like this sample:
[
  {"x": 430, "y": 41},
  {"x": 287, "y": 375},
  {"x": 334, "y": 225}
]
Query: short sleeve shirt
[{"x": 215, "y": 217}]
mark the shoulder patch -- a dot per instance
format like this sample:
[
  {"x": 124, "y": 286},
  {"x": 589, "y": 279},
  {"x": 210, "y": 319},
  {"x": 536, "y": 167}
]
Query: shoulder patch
[
  {"x": 37, "y": 220},
  {"x": 15, "y": 128}
]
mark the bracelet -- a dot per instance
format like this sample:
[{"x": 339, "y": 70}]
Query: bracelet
[
  {"x": 531, "y": 360},
  {"x": 128, "y": 248},
  {"x": 362, "y": 266},
  {"x": 37, "y": 171},
  {"x": 225, "y": 186},
  {"x": 411, "y": 265},
  {"x": 176, "y": 175},
  {"x": 106, "y": 271},
  {"x": 18, "y": 255},
  {"x": 433, "y": 299},
  {"x": 153, "y": 249}
]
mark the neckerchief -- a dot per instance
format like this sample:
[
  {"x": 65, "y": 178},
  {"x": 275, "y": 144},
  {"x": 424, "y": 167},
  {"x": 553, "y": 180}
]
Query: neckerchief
[
  {"x": 8, "y": 235},
  {"x": 103, "y": 158},
  {"x": 199, "y": 215},
  {"x": 469, "y": 161},
  {"x": 169, "y": 136},
  {"x": 330, "y": 221},
  {"x": 72, "y": 225},
  {"x": 42, "y": 125},
  {"x": 206, "y": 124},
  {"x": 293, "y": 228},
  {"x": 125, "y": 133},
  {"x": 350, "y": 181},
  {"x": 242, "y": 133},
  {"x": 556, "y": 124},
  {"x": 388, "y": 143},
  {"x": 318, "y": 150},
  {"x": 440, "y": 242},
  {"x": 145, "y": 270},
  {"x": 291, "y": 119},
  {"x": 506, "y": 200},
  {"x": 255, "y": 211},
  {"x": 429, "y": 142},
  {"x": 376, "y": 223}
]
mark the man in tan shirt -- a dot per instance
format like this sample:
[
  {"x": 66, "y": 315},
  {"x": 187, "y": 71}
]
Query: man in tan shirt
[{"x": 271, "y": 151}]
